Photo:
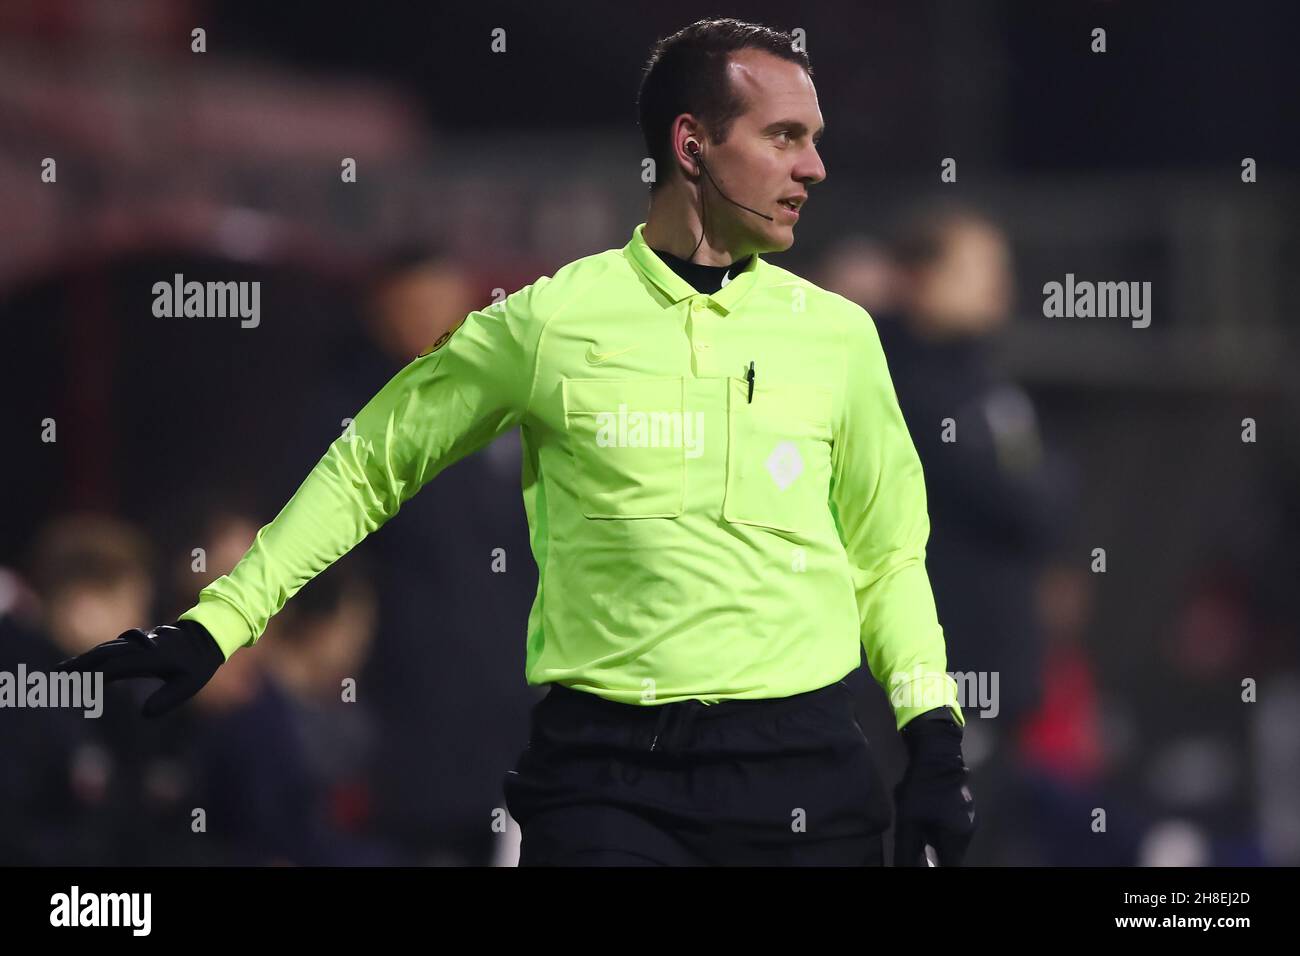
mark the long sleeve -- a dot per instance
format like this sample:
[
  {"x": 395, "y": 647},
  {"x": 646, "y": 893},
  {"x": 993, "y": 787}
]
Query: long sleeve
[
  {"x": 441, "y": 407},
  {"x": 879, "y": 503}
]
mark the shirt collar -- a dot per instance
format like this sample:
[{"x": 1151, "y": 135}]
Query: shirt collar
[{"x": 645, "y": 261}]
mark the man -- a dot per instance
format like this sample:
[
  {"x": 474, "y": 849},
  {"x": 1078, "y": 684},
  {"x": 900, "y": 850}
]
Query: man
[
  {"x": 461, "y": 665},
  {"x": 75, "y": 790},
  {"x": 999, "y": 498},
  {"x": 724, "y": 504}
]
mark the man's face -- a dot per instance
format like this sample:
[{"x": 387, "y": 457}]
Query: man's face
[
  {"x": 969, "y": 289},
  {"x": 81, "y": 614},
  {"x": 412, "y": 310},
  {"x": 769, "y": 156}
]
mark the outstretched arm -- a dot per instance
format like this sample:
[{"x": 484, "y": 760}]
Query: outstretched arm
[
  {"x": 471, "y": 386},
  {"x": 441, "y": 407}
]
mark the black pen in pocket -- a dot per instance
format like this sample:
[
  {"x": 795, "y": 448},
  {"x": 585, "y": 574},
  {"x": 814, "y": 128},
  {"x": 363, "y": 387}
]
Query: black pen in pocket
[{"x": 749, "y": 377}]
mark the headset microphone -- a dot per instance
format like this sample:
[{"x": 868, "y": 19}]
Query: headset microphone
[{"x": 693, "y": 148}]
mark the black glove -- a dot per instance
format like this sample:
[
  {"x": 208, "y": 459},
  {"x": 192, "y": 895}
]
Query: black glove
[
  {"x": 933, "y": 800},
  {"x": 183, "y": 654}
]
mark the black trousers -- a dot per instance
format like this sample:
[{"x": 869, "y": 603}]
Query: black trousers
[{"x": 787, "y": 781}]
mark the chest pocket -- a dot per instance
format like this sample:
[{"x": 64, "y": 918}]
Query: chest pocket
[
  {"x": 626, "y": 442},
  {"x": 778, "y": 456}
]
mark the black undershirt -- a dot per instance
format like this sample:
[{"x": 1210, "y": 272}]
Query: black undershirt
[{"x": 706, "y": 279}]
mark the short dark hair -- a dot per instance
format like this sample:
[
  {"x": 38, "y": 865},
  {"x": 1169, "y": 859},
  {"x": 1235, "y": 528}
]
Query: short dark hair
[
  {"x": 86, "y": 549},
  {"x": 404, "y": 257},
  {"x": 687, "y": 73}
]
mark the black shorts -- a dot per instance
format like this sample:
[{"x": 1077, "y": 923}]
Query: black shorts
[{"x": 788, "y": 781}]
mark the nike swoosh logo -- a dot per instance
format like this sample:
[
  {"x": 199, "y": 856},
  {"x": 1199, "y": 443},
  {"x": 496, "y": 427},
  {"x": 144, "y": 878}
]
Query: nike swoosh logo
[{"x": 595, "y": 358}]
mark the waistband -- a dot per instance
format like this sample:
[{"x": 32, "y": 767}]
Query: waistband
[{"x": 673, "y": 720}]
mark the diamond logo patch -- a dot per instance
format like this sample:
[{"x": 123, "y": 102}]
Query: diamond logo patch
[{"x": 784, "y": 464}]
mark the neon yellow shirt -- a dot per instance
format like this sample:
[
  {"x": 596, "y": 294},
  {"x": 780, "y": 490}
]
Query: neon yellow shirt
[{"x": 697, "y": 535}]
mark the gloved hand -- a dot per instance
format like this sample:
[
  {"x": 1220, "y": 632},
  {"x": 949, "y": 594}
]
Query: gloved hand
[
  {"x": 933, "y": 801},
  {"x": 183, "y": 654}
]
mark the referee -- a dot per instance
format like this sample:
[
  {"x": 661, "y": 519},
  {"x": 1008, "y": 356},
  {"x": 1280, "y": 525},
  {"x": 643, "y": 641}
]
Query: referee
[{"x": 724, "y": 504}]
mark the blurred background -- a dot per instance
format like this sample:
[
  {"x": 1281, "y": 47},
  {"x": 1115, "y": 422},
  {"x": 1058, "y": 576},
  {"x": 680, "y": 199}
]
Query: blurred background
[{"x": 1120, "y": 673}]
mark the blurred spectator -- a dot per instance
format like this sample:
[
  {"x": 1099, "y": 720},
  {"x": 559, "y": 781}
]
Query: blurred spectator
[
  {"x": 246, "y": 773},
  {"x": 218, "y": 525},
  {"x": 1043, "y": 798},
  {"x": 118, "y": 789},
  {"x": 1063, "y": 738},
  {"x": 860, "y": 268},
  {"x": 416, "y": 294},
  {"x": 316, "y": 652},
  {"x": 79, "y": 790},
  {"x": 280, "y": 774},
  {"x": 998, "y": 503},
  {"x": 251, "y": 761},
  {"x": 1194, "y": 774},
  {"x": 445, "y": 677},
  {"x": 94, "y": 577}
]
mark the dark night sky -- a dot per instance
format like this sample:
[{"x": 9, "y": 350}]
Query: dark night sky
[{"x": 1183, "y": 85}]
